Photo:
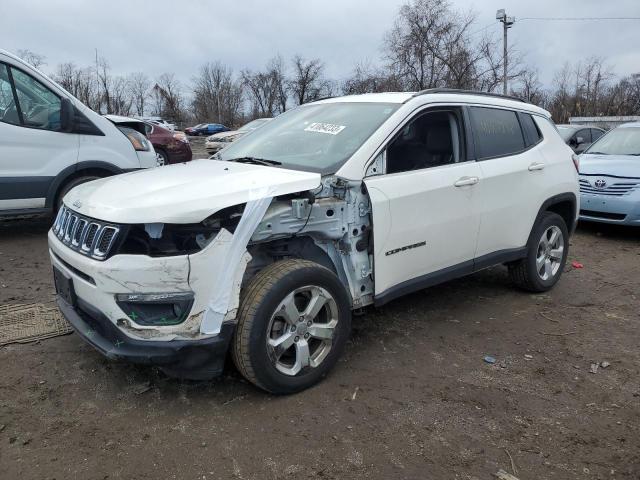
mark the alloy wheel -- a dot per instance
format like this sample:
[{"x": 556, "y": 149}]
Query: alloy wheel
[
  {"x": 300, "y": 332},
  {"x": 550, "y": 253}
]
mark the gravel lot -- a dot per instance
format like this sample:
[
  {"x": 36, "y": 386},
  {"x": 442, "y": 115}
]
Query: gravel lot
[{"x": 412, "y": 397}]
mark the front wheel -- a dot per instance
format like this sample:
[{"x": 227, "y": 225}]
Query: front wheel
[
  {"x": 546, "y": 255},
  {"x": 293, "y": 323}
]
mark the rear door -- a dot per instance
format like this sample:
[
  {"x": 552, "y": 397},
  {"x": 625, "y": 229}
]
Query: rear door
[
  {"x": 33, "y": 150},
  {"x": 425, "y": 219},
  {"x": 513, "y": 178}
]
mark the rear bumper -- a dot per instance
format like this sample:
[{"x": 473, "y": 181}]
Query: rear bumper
[{"x": 98, "y": 331}]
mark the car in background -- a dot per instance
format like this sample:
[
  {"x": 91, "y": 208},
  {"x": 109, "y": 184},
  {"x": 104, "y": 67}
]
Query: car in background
[
  {"x": 209, "y": 129},
  {"x": 610, "y": 177},
  {"x": 160, "y": 121},
  {"x": 192, "y": 130},
  {"x": 171, "y": 147},
  {"x": 50, "y": 142},
  {"x": 579, "y": 137},
  {"x": 220, "y": 140}
]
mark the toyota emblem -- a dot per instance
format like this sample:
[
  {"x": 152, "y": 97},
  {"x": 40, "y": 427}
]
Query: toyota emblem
[{"x": 600, "y": 183}]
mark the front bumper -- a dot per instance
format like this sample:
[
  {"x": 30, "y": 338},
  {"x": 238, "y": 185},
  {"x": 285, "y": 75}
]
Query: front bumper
[
  {"x": 214, "y": 147},
  {"x": 622, "y": 210},
  {"x": 180, "y": 355}
]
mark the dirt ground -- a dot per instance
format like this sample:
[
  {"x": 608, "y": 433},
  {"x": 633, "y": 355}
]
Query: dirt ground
[{"x": 412, "y": 397}]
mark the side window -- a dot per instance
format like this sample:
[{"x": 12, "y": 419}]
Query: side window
[
  {"x": 430, "y": 140},
  {"x": 596, "y": 134},
  {"x": 531, "y": 131},
  {"x": 8, "y": 110},
  {"x": 585, "y": 134},
  {"x": 40, "y": 107},
  {"x": 496, "y": 132}
]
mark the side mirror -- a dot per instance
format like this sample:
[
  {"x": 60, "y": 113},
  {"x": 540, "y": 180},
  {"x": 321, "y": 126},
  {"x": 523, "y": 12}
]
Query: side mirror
[{"x": 67, "y": 115}]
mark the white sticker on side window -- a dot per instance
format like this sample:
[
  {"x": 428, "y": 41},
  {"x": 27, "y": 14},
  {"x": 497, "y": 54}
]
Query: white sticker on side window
[{"x": 329, "y": 128}]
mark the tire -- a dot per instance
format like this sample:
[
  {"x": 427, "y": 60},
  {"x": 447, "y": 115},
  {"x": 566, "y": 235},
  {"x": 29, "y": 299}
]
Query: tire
[
  {"x": 161, "y": 158},
  {"x": 269, "y": 307},
  {"x": 69, "y": 185},
  {"x": 544, "y": 263}
]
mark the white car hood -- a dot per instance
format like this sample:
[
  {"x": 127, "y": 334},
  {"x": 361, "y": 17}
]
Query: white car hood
[
  {"x": 184, "y": 192},
  {"x": 219, "y": 135},
  {"x": 617, "y": 165}
]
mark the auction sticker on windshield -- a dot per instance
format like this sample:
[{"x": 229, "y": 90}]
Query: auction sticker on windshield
[{"x": 329, "y": 128}]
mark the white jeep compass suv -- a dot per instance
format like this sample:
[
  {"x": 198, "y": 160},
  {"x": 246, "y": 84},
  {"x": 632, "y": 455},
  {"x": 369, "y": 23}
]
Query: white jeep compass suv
[{"x": 266, "y": 249}]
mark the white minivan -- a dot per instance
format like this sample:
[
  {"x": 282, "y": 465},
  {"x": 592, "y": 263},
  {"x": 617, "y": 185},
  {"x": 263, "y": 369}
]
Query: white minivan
[{"x": 50, "y": 141}]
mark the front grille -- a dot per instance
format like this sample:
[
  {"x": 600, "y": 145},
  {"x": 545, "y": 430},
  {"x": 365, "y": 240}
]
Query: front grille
[
  {"x": 614, "y": 188},
  {"x": 604, "y": 215},
  {"x": 85, "y": 235}
]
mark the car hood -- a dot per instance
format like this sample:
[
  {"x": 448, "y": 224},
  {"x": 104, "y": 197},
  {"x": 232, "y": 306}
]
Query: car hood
[
  {"x": 616, "y": 165},
  {"x": 220, "y": 135},
  {"x": 183, "y": 193}
]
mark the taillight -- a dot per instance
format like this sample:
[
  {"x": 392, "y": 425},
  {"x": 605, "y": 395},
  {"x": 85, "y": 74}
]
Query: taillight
[{"x": 576, "y": 162}]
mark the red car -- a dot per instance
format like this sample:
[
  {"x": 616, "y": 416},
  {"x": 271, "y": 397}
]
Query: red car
[{"x": 170, "y": 147}]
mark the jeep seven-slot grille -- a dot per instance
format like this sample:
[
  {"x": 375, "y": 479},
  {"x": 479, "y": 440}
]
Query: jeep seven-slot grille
[
  {"x": 85, "y": 235},
  {"x": 616, "y": 188}
]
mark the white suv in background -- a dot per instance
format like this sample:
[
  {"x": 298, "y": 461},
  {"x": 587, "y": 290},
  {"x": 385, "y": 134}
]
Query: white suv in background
[
  {"x": 332, "y": 206},
  {"x": 51, "y": 142}
]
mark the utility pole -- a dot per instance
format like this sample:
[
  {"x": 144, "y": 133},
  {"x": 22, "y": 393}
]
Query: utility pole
[{"x": 507, "y": 23}]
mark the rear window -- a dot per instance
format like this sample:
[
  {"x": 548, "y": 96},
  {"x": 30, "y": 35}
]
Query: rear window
[
  {"x": 531, "y": 131},
  {"x": 496, "y": 132}
]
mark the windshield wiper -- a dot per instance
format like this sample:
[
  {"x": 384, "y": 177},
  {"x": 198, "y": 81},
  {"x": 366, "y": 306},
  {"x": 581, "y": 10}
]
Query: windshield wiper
[
  {"x": 597, "y": 153},
  {"x": 257, "y": 161}
]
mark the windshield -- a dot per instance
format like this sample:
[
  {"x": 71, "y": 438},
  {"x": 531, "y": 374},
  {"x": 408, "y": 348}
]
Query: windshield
[
  {"x": 566, "y": 132},
  {"x": 316, "y": 138},
  {"x": 621, "y": 141}
]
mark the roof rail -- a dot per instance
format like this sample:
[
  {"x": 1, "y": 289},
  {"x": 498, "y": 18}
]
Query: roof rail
[{"x": 466, "y": 92}]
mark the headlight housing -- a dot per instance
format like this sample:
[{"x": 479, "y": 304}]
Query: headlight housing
[
  {"x": 180, "y": 137},
  {"x": 139, "y": 141}
]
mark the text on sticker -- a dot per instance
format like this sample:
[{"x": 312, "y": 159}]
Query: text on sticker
[{"x": 329, "y": 128}]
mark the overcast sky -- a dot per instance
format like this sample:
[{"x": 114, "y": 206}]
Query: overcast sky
[{"x": 178, "y": 36}]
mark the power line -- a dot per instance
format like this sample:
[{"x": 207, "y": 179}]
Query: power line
[
  {"x": 577, "y": 18},
  {"x": 484, "y": 28}
]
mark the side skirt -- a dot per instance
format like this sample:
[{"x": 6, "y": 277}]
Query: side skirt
[{"x": 450, "y": 273}]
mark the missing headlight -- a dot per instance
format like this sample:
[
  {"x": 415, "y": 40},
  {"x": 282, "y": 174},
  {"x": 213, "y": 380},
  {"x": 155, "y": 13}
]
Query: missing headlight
[{"x": 170, "y": 239}]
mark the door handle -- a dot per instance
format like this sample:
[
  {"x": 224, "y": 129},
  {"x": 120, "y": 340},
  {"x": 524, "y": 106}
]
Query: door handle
[
  {"x": 536, "y": 166},
  {"x": 465, "y": 181}
]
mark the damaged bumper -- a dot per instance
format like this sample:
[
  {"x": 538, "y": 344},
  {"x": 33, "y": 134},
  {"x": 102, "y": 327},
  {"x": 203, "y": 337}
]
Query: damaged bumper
[
  {"x": 93, "y": 295},
  {"x": 98, "y": 331}
]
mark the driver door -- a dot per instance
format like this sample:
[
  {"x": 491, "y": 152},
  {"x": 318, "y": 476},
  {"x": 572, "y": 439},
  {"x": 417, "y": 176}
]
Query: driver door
[
  {"x": 425, "y": 213},
  {"x": 32, "y": 149}
]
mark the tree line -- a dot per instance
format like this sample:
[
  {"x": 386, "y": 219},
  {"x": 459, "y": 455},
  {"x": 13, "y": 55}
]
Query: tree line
[{"x": 429, "y": 45}]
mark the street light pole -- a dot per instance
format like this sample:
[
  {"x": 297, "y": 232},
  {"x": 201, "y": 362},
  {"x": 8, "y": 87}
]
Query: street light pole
[{"x": 507, "y": 23}]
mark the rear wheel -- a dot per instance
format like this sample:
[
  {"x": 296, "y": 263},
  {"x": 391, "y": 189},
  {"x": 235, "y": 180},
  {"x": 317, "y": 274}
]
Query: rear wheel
[
  {"x": 546, "y": 255},
  {"x": 293, "y": 323}
]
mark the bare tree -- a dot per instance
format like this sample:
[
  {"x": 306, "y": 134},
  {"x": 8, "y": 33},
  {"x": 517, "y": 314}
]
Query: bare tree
[
  {"x": 366, "y": 78},
  {"x": 139, "y": 86},
  {"x": 267, "y": 89},
  {"x": 217, "y": 94},
  {"x": 308, "y": 83},
  {"x": 169, "y": 100},
  {"x": 32, "y": 58},
  {"x": 80, "y": 82}
]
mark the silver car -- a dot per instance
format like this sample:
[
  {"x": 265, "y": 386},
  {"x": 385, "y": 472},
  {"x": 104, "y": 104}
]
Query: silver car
[{"x": 610, "y": 177}]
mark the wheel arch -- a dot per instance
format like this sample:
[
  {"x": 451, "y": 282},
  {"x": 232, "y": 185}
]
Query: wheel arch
[
  {"x": 97, "y": 168},
  {"x": 565, "y": 205}
]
